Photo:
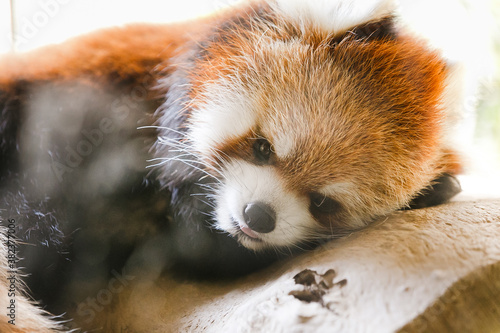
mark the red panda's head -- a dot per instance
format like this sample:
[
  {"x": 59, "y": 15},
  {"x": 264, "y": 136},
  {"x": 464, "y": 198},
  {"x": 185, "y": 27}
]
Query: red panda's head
[{"x": 315, "y": 118}]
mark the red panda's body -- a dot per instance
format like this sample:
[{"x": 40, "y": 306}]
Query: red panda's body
[{"x": 292, "y": 127}]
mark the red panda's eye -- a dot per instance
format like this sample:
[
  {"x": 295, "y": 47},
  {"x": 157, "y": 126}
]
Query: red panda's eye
[
  {"x": 323, "y": 204},
  {"x": 262, "y": 150}
]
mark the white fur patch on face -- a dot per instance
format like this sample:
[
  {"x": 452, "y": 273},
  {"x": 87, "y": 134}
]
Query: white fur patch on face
[
  {"x": 340, "y": 189},
  {"x": 227, "y": 114},
  {"x": 335, "y": 16},
  {"x": 283, "y": 133},
  {"x": 348, "y": 194},
  {"x": 284, "y": 144},
  {"x": 246, "y": 183}
]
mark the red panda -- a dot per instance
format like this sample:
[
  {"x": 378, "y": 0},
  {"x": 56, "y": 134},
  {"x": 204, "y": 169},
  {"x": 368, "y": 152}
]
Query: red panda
[
  {"x": 280, "y": 123},
  {"x": 314, "y": 125}
]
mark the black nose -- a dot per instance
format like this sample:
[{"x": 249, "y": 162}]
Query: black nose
[{"x": 259, "y": 217}]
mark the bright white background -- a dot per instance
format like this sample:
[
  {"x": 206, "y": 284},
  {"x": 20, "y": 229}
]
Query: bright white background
[
  {"x": 41, "y": 22},
  {"x": 4, "y": 26}
]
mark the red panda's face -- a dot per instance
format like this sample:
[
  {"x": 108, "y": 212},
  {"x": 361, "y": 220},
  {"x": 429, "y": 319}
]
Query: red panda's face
[{"x": 315, "y": 135}]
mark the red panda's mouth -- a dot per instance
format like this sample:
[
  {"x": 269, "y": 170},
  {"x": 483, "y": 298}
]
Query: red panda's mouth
[
  {"x": 243, "y": 231},
  {"x": 247, "y": 231}
]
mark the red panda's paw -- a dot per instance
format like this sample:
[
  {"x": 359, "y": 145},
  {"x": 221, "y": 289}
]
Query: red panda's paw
[{"x": 440, "y": 191}]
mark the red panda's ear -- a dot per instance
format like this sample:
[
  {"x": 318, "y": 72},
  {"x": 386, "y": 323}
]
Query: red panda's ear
[{"x": 382, "y": 29}]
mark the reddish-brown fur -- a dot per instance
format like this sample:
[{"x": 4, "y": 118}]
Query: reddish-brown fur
[
  {"x": 406, "y": 82},
  {"x": 112, "y": 56}
]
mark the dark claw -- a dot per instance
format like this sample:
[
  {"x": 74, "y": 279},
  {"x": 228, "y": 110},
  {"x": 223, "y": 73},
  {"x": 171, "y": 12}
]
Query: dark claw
[{"x": 442, "y": 189}]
